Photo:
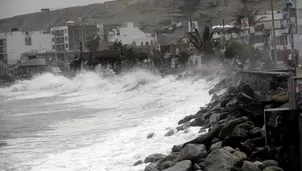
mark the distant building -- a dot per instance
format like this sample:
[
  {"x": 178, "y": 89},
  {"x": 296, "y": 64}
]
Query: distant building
[
  {"x": 13, "y": 44},
  {"x": 263, "y": 33},
  {"x": 67, "y": 38},
  {"x": 132, "y": 35}
]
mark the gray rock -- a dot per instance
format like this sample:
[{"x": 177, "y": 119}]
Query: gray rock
[
  {"x": 260, "y": 165},
  {"x": 230, "y": 126},
  {"x": 240, "y": 155},
  {"x": 229, "y": 149},
  {"x": 196, "y": 167},
  {"x": 181, "y": 166},
  {"x": 186, "y": 119},
  {"x": 268, "y": 163},
  {"x": 138, "y": 163},
  {"x": 151, "y": 167},
  {"x": 249, "y": 166},
  {"x": 221, "y": 160},
  {"x": 215, "y": 146},
  {"x": 150, "y": 135},
  {"x": 183, "y": 126},
  {"x": 166, "y": 165},
  {"x": 193, "y": 152},
  {"x": 169, "y": 133},
  {"x": 177, "y": 148},
  {"x": 214, "y": 118},
  {"x": 154, "y": 157},
  {"x": 273, "y": 168},
  {"x": 171, "y": 157},
  {"x": 197, "y": 122}
]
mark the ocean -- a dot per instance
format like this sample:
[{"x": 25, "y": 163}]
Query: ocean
[{"x": 95, "y": 121}]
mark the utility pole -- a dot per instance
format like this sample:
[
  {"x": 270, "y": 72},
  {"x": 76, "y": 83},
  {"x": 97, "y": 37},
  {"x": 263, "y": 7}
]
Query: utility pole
[{"x": 274, "y": 33}]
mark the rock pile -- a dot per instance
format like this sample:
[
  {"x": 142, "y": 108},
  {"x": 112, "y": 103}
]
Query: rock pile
[{"x": 235, "y": 140}]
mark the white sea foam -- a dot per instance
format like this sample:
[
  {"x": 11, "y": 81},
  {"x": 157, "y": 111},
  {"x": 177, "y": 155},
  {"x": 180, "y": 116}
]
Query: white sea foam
[{"x": 131, "y": 106}]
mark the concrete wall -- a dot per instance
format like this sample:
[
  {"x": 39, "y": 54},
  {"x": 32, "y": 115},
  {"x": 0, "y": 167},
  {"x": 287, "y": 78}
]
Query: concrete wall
[{"x": 16, "y": 44}]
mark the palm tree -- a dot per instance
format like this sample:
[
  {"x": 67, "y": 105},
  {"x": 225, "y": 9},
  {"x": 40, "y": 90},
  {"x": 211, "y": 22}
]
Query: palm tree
[
  {"x": 93, "y": 43},
  {"x": 157, "y": 58},
  {"x": 183, "y": 58},
  {"x": 117, "y": 45},
  {"x": 203, "y": 42}
]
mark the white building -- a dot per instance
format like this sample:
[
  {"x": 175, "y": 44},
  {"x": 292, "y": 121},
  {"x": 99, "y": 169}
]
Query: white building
[
  {"x": 132, "y": 35},
  {"x": 13, "y": 44},
  {"x": 67, "y": 38},
  {"x": 298, "y": 42}
]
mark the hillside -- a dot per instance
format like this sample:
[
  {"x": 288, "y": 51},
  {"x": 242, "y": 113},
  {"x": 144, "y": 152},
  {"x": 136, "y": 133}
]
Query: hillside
[{"x": 152, "y": 14}]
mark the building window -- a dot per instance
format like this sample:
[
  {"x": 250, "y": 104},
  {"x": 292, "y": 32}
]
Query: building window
[
  {"x": 53, "y": 47},
  {"x": 28, "y": 41},
  {"x": 282, "y": 40},
  {"x": 142, "y": 43},
  {"x": 147, "y": 43},
  {"x": 66, "y": 45},
  {"x": 53, "y": 39},
  {"x": 52, "y": 32},
  {"x": 65, "y": 38}
]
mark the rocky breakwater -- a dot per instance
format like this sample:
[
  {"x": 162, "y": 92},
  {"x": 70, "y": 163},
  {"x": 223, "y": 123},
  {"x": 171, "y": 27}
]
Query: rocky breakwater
[{"x": 235, "y": 138}]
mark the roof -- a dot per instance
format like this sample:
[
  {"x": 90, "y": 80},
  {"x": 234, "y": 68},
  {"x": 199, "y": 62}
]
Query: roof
[{"x": 34, "y": 62}]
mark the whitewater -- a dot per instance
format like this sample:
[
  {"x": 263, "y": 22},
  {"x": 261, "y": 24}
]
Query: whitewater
[{"x": 95, "y": 120}]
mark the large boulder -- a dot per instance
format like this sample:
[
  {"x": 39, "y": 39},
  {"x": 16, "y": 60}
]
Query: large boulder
[
  {"x": 229, "y": 149},
  {"x": 166, "y": 165},
  {"x": 181, "y": 166},
  {"x": 177, "y": 148},
  {"x": 173, "y": 157},
  {"x": 193, "y": 152},
  {"x": 221, "y": 160},
  {"x": 214, "y": 118},
  {"x": 273, "y": 168},
  {"x": 151, "y": 167},
  {"x": 249, "y": 166},
  {"x": 186, "y": 119},
  {"x": 183, "y": 126},
  {"x": 268, "y": 163},
  {"x": 197, "y": 122},
  {"x": 240, "y": 155},
  {"x": 207, "y": 138},
  {"x": 215, "y": 146},
  {"x": 154, "y": 158},
  {"x": 240, "y": 134},
  {"x": 169, "y": 133},
  {"x": 230, "y": 126}
]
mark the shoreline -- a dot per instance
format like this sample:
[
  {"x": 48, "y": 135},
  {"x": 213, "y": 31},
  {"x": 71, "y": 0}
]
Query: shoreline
[{"x": 235, "y": 140}]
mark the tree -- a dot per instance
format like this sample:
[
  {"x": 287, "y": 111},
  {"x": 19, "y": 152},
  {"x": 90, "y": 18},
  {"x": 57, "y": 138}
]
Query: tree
[
  {"x": 242, "y": 54},
  {"x": 93, "y": 43},
  {"x": 157, "y": 58},
  {"x": 203, "y": 42},
  {"x": 183, "y": 58},
  {"x": 117, "y": 45}
]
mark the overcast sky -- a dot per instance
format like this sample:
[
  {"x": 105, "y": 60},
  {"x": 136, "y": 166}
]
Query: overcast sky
[{"x": 9, "y": 8}]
